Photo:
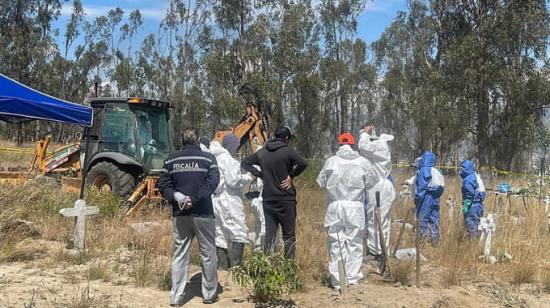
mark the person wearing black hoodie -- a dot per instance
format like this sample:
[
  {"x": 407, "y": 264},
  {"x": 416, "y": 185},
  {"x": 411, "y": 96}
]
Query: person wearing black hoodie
[{"x": 279, "y": 165}]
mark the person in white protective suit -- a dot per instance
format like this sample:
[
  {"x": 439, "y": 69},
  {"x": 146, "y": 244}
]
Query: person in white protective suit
[
  {"x": 346, "y": 176},
  {"x": 376, "y": 150},
  {"x": 256, "y": 204},
  {"x": 231, "y": 229}
]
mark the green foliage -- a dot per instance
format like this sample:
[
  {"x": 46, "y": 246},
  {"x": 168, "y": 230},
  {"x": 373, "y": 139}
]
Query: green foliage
[
  {"x": 110, "y": 205},
  {"x": 271, "y": 277},
  {"x": 308, "y": 178},
  {"x": 462, "y": 80}
]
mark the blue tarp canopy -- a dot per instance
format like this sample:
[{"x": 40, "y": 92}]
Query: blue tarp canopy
[{"x": 19, "y": 103}]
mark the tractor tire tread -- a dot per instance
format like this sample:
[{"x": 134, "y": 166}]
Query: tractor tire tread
[{"x": 122, "y": 183}]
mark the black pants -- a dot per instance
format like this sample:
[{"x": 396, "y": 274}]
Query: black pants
[{"x": 280, "y": 213}]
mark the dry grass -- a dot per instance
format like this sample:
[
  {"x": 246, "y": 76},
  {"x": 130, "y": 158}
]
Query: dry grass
[
  {"x": 62, "y": 255},
  {"x": 99, "y": 270},
  {"x": 83, "y": 299},
  {"x": 502, "y": 295},
  {"x": 144, "y": 257},
  {"x": 311, "y": 240},
  {"x": 150, "y": 270},
  {"x": 545, "y": 280},
  {"x": 18, "y": 252},
  {"x": 402, "y": 271}
]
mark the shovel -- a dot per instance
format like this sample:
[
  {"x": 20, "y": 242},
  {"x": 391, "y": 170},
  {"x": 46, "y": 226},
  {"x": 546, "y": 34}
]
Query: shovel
[
  {"x": 384, "y": 261},
  {"x": 407, "y": 217},
  {"x": 342, "y": 274}
]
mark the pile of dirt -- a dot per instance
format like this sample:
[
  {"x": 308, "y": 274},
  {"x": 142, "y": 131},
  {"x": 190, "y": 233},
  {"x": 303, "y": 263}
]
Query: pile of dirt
[{"x": 17, "y": 230}]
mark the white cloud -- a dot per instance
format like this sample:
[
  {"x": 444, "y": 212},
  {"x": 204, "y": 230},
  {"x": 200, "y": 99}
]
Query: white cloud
[{"x": 149, "y": 13}]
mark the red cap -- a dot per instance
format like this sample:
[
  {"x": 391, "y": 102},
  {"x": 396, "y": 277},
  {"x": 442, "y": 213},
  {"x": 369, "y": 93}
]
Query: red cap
[{"x": 346, "y": 138}]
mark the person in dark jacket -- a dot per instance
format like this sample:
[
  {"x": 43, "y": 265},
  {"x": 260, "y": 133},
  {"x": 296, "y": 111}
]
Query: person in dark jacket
[
  {"x": 279, "y": 165},
  {"x": 188, "y": 179}
]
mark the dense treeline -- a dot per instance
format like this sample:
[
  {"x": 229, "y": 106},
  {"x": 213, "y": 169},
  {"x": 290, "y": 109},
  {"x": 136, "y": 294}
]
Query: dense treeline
[{"x": 462, "y": 78}]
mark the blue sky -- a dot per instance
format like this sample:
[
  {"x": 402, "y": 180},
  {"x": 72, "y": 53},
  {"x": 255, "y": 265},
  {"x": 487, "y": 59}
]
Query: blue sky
[{"x": 372, "y": 22}]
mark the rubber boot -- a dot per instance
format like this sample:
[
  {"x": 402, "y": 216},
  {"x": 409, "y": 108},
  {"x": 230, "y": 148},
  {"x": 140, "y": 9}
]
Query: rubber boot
[
  {"x": 236, "y": 253},
  {"x": 223, "y": 259}
]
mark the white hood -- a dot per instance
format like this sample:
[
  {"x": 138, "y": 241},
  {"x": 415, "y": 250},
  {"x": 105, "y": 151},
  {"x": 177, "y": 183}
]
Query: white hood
[
  {"x": 377, "y": 151},
  {"x": 346, "y": 152},
  {"x": 346, "y": 176}
]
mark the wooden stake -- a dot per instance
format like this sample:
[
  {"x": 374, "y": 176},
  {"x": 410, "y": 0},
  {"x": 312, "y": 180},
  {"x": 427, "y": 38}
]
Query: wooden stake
[{"x": 418, "y": 261}]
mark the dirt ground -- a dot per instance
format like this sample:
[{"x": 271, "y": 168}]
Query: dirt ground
[
  {"x": 42, "y": 283},
  {"x": 39, "y": 283}
]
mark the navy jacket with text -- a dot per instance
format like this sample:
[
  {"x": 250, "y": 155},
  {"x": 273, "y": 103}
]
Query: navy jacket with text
[{"x": 194, "y": 173}]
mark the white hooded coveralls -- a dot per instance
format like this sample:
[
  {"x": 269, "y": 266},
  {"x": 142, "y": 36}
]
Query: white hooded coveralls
[
  {"x": 377, "y": 152},
  {"x": 258, "y": 211},
  {"x": 227, "y": 202},
  {"x": 346, "y": 176}
]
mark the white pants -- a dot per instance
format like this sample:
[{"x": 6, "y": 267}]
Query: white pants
[
  {"x": 387, "y": 195},
  {"x": 259, "y": 222},
  {"x": 230, "y": 220},
  {"x": 344, "y": 222}
]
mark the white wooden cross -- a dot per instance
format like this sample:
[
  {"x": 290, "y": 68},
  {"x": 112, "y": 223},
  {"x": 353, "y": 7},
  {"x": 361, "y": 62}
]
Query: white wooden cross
[
  {"x": 80, "y": 211},
  {"x": 451, "y": 204},
  {"x": 488, "y": 227},
  {"x": 546, "y": 201}
]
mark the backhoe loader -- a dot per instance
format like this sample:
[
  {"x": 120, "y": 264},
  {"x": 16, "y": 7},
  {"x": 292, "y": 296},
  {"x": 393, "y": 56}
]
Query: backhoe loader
[{"x": 129, "y": 140}]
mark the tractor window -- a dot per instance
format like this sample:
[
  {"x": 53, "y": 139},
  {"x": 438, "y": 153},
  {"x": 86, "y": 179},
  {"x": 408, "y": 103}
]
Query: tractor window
[
  {"x": 96, "y": 125},
  {"x": 153, "y": 134},
  {"x": 117, "y": 134}
]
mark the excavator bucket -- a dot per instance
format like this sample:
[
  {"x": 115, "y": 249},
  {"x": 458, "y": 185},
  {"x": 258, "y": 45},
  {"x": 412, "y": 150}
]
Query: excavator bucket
[{"x": 253, "y": 128}]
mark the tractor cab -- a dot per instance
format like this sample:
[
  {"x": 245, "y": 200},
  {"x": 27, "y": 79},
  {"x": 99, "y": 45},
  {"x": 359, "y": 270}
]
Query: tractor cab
[{"x": 129, "y": 139}]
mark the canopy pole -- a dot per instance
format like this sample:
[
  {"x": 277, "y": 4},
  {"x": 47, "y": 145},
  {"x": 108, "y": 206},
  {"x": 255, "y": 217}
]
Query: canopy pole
[{"x": 86, "y": 159}]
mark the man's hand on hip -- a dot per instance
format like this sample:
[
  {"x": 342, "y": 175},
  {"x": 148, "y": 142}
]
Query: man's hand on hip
[{"x": 287, "y": 184}]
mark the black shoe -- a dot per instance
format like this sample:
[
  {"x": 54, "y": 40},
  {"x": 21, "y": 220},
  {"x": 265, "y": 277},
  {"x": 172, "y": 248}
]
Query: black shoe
[
  {"x": 210, "y": 301},
  {"x": 236, "y": 251},
  {"x": 176, "y": 305},
  {"x": 223, "y": 258},
  {"x": 371, "y": 257}
]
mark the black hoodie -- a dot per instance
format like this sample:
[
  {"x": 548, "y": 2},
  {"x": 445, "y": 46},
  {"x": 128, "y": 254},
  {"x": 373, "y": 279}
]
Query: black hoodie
[{"x": 277, "y": 161}]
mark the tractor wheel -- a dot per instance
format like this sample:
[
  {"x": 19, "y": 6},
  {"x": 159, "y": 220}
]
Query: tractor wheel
[{"x": 108, "y": 177}]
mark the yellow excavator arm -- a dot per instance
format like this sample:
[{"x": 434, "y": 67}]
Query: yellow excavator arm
[
  {"x": 253, "y": 127},
  {"x": 250, "y": 129}
]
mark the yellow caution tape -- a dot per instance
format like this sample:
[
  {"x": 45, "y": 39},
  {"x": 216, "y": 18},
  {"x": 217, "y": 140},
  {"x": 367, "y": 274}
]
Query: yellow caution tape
[
  {"x": 27, "y": 150},
  {"x": 500, "y": 172},
  {"x": 17, "y": 150}
]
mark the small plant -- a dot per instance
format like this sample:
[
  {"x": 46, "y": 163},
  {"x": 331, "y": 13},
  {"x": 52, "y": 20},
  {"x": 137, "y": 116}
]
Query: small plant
[
  {"x": 150, "y": 270},
  {"x": 11, "y": 252},
  {"x": 272, "y": 277},
  {"x": 141, "y": 269},
  {"x": 99, "y": 271},
  {"x": 110, "y": 204},
  {"x": 164, "y": 278},
  {"x": 402, "y": 271},
  {"x": 72, "y": 257},
  {"x": 523, "y": 272},
  {"x": 84, "y": 300},
  {"x": 32, "y": 302}
]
